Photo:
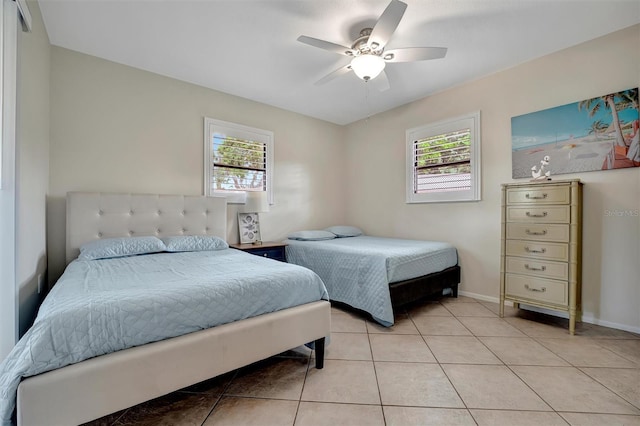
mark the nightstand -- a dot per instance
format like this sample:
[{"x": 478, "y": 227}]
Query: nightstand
[{"x": 271, "y": 250}]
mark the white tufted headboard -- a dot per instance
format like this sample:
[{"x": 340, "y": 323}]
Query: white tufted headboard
[{"x": 95, "y": 215}]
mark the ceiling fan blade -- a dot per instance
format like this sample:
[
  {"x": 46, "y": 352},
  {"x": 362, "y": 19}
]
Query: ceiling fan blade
[
  {"x": 387, "y": 24},
  {"x": 326, "y": 45},
  {"x": 337, "y": 73},
  {"x": 381, "y": 82},
  {"x": 411, "y": 54}
]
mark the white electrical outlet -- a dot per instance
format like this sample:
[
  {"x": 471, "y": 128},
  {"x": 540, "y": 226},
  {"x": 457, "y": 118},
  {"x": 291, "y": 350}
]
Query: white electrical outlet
[{"x": 39, "y": 283}]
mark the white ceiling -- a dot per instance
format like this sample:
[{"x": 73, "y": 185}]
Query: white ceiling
[{"x": 248, "y": 48}]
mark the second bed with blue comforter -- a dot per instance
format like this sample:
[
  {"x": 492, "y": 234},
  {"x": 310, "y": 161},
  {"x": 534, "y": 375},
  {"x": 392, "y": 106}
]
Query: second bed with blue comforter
[{"x": 358, "y": 270}]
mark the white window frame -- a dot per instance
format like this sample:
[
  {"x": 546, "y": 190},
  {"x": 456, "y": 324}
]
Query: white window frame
[
  {"x": 468, "y": 121},
  {"x": 224, "y": 128}
]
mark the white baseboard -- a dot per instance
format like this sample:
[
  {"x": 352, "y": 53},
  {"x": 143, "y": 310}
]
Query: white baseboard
[
  {"x": 587, "y": 317},
  {"x": 479, "y": 296}
]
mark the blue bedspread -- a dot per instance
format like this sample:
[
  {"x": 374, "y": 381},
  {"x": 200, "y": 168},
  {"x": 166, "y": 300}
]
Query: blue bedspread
[
  {"x": 357, "y": 270},
  {"x": 102, "y": 306}
]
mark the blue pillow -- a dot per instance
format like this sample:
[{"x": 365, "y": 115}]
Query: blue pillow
[
  {"x": 344, "y": 231},
  {"x": 314, "y": 235},
  {"x": 194, "y": 243},
  {"x": 119, "y": 247}
]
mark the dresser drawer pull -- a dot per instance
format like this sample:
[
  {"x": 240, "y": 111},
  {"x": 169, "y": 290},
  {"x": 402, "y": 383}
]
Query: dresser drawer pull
[
  {"x": 265, "y": 255},
  {"x": 530, "y": 250},
  {"x": 529, "y": 214},
  {"x": 539, "y": 290},
  {"x": 534, "y": 197},
  {"x": 530, "y": 232},
  {"x": 542, "y": 268}
]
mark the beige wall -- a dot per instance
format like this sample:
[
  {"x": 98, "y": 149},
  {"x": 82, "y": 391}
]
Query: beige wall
[
  {"x": 32, "y": 164},
  {"x": 116, "y": 128},
  {"x": 376, "y": 194}
]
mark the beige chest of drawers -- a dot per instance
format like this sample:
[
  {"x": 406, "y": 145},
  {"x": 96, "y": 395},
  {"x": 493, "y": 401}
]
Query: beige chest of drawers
[{"x": 541, "y": 246}]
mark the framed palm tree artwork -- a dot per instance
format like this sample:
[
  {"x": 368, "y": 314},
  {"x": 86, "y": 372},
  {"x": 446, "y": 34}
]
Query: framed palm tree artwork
[{"x": 600, "y": 133}]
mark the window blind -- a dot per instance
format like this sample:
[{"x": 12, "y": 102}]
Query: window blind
[
  {"x": 238, "y": 164},
  {"x": 443, "y": 162}
]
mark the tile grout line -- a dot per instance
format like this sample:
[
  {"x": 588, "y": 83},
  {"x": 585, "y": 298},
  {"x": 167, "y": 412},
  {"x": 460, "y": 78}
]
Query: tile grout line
[
  {"x": 304, "y": 382},
  {"x": 511, "y": 370},
  {"x": 607, "y": 387},
  {"x": 516, "y": 374},
  {"x": 219, "y": 398},
  {"x": 571, "y": 365},
  {"x": 616, "y": 353},
  {"x": 442, "y": 369},
  {"x": 375, "y": 373},
  {"x": 523, "y": 381}
]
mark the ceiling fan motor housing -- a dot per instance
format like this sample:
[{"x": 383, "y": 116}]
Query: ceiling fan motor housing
[{"x": 361, "y": 45}]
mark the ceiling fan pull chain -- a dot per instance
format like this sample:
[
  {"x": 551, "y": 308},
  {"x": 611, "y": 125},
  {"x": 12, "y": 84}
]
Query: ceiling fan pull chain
[{"x": 366, "y": 101}]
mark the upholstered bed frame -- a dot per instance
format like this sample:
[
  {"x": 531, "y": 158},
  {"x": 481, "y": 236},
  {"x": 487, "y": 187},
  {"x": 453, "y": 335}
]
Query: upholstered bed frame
[{"x": 105, "y": 384}]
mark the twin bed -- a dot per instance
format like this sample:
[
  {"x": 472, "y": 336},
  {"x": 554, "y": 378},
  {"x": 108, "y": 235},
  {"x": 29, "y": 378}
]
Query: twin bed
[
  {"x": 374, "y": 274},
  {"x": 118, "y": 329}
]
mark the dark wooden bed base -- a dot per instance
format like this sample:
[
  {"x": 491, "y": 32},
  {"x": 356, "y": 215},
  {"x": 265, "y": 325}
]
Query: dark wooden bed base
[
  {"x": 404, "y": 292},
  {"x": 416, "y": 289}
]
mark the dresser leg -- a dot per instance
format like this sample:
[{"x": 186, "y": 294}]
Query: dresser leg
[
  {"x": 501, "y": 308},
  {"x": 572, "y": 323}
]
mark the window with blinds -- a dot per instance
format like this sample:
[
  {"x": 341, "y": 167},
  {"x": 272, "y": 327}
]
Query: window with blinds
[
  {"x": 238, "y": 164},
  {"x": 237, "y": 159},
  {"x": 443, "y": 161}
]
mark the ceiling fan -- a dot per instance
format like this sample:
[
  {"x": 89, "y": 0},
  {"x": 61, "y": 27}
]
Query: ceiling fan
[{"x": 367, "y": 51}]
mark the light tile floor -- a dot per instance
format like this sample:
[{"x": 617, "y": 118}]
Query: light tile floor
[{"x": 445, "y": 362}]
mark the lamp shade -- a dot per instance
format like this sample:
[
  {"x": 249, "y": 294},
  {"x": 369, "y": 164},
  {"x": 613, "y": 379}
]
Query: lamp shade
[
  {"x": 256, "y": 202},
  {"x": 367, "y": 66}
]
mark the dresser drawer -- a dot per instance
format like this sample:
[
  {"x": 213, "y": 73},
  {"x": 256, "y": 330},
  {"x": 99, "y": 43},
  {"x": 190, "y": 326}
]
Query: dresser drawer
[
  {"x": 538, "y": 232},
  {"x": 537, "y": 289},
  {"x": 538, "y": 250},
  {"x": 542, "y": 195},
  {"x": 547, "y": 214},
  {"x": 544, "y": 268}
]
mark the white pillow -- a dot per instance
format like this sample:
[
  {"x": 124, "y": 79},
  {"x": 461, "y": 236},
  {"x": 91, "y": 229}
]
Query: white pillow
[
  {"x": 194, "y": 243},
  {"x": 120, "y": 247},
  {"x": 344, "y": 231},
  {"x": 313, "y": 235}
]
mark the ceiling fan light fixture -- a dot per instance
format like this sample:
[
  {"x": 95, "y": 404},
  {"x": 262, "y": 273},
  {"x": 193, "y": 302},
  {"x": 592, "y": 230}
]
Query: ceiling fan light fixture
[
  {"x": 367, "y": 67},
  {"x": 367, "y": 53}
]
